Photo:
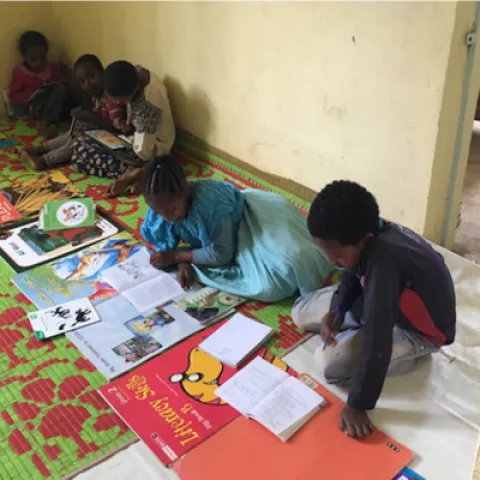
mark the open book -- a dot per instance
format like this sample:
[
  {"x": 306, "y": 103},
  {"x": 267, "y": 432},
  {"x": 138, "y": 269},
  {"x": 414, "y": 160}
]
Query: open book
[
  {"x": 208, "y": 305},
  {"x": 236, "y": 340},
  {"x": 140, "y": 283},
  {"x": 272, "y": 397}
]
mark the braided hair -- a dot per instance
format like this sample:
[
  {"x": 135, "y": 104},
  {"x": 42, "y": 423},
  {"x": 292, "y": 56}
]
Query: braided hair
[{"x": 164, "y": 177}]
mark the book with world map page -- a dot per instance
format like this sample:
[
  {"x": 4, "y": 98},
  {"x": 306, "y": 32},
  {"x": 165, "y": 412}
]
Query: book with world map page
[{"x": 73, "y": 213}]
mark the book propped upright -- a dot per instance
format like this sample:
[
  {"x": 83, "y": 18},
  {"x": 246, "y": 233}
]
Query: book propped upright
[
  {"x": 272, "y": 397},
  {"x": 73, "y": 213},
  {"x": 236, "y": 340}
]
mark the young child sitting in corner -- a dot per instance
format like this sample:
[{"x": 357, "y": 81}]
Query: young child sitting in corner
[
  {"x": 149, "y": 112},
  {"x": 395, "y": 304},
  {"x": 105, "y": 114},
  {"x": 250, "y": 243},
  {"x": 48, "y": 104}
]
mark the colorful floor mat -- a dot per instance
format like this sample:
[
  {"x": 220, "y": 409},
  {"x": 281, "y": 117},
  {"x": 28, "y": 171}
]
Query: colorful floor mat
[{"x": 51, "y": 420}]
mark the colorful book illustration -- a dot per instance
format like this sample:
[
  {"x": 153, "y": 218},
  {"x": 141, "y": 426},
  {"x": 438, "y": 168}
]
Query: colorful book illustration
[
  {"x": 124, "y": 338},
  {"x": 170, "y": 402},
  {"x": 62, "y": 318},
  {"x": 8, "y": 213},
  {"x": 64, "y": 214},
  {"x": 208, "y": 305},
  {"x": 28, "y": 196},
  {"x": 107, "y": 139},
  {"x": 245, "y": 450},
  {"x": 28, "y": 245},
  {"x": 407, "y": 474},
  {"x": 78, "y": 275}
]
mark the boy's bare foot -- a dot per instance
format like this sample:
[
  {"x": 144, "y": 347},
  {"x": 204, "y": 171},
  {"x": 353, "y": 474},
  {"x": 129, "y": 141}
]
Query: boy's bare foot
[
  {"x": 130, "y": 177},
  {"x": 46, "y": 130},
  {"x": 37, "y": 162}
]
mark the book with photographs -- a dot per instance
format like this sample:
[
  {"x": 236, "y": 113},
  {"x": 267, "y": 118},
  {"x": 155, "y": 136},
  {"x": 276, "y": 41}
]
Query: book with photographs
[
  {"x": 65, "y": 214},
  {"x": 208, "y": 305},
  {"x": 275, "y": 399},
  {"x": 63, "y": 318},
  {"x": 236, "y": 340},
  {"x": 29, "y": 245}
]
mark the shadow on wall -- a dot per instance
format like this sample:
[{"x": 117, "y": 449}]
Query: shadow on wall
[{"x": 192, "y": 109}]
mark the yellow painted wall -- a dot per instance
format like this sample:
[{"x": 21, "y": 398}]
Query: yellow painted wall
[
  {"x": 17, "y": 17},
  {"x": 310, "y": 91}
]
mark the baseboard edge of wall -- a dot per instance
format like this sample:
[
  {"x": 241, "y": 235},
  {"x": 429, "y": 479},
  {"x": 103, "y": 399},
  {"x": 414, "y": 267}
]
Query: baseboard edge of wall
[{"x": 291, "y": 186}]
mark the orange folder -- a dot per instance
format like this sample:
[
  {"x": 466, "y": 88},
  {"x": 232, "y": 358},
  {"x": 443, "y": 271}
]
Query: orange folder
[{"x": 244, "y": 450}]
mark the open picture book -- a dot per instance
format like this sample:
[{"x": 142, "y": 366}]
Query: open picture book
[{"x": 272, "y": 397}]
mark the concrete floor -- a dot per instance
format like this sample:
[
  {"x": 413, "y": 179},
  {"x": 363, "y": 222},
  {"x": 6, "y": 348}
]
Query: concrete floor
[{"x": 467, "y": 237}]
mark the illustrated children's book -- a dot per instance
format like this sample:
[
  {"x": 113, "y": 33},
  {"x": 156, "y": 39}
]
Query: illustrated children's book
[
  {"x": 208, "y": 305},
  {"x": 107, "y": 139},
  {"x": 28, "y": 194},
  {"x": 28, "y": 245},
  {"x": 125, "y": 338},
  {"x": 143, "y": 285},
  {"x": 64, "y": 214},
  {"x": 62, "y": 318},
  {"x": 8, "y": 213},
  {"x": 78, "y": 275},
  {"x": 170, "y": 402},
  {"x": 244, "y": 449}
]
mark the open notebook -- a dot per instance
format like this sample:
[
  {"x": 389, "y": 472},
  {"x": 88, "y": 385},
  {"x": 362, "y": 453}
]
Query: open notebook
[
  {"x": 272, "y": 397},
  {"x": 236, "y": 340}
]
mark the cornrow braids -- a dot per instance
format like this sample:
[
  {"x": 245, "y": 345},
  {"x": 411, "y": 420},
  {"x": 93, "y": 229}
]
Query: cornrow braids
[{"x": 164, "y": 177}]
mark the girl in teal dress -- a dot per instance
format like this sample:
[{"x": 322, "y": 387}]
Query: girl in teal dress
[{"x": 249, "y": 243}]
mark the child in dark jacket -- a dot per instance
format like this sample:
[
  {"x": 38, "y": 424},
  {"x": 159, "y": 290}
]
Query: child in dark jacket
[{"x": 395, "y": 304}]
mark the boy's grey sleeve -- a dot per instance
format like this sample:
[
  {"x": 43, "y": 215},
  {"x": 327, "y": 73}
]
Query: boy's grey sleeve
[
  {"x": 222, "y": 249},
  {"x": 349, "y": 290},
  {"x": 380, "y": 310}
]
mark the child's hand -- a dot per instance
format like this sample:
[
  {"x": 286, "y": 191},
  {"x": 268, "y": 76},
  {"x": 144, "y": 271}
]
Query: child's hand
[
  {"x": 81, "y": 114},
  {"x": 355, "y": 423},
  {"x": 326, "y": 329},
  {"x": 185, "y": 275},
  {"x": 163, "y": 259},
  {"x": 124, "y": 127}
]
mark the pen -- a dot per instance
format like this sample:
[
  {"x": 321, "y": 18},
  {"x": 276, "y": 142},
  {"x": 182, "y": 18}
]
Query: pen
[{"x": 338, "y": 311}]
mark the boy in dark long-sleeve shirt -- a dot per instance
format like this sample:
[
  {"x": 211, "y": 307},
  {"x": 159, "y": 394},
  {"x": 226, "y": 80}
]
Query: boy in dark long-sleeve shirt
[{"x": 395, "y": 304}]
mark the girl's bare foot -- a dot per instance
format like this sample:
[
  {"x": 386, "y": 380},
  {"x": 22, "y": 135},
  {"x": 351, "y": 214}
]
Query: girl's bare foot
[
  {"x": 130, "y": 177},
  {"x": 37, "y": 162},
  {"x": 46, "y": 130}
]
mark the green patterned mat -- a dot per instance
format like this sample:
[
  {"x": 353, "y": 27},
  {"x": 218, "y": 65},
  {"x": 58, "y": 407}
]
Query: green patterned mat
[{"x": 51, "y": 420}]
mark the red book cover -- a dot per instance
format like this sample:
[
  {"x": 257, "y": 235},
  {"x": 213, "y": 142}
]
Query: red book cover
[
  {"x": 170, "y": 401},
  {"x": 8, "y": 212}
]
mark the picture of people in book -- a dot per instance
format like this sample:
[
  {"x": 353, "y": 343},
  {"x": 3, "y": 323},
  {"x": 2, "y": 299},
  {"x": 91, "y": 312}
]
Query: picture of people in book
[
  {"x": 136, "y": 348},
  {"x": 203, "y": 374},
  {"x": 45, "y": 242},
  {"x": 143, "y": 326},
  {"x": 210, "y": 305},
  {"x": 90, "y": 265}
]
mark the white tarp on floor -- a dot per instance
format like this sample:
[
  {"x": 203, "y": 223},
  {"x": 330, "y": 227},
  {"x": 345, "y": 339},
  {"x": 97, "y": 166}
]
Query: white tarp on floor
[{"x": 434, "y": 411}]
